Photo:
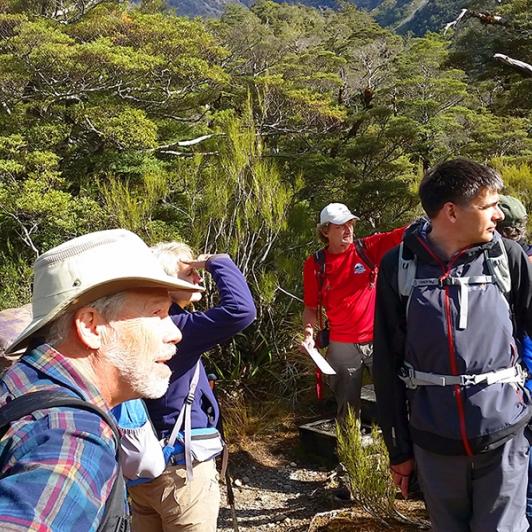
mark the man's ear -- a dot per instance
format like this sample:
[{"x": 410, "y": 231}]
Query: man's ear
[
  {"x": 449, "y": 211},
  {"x": 87, "y": 321}
]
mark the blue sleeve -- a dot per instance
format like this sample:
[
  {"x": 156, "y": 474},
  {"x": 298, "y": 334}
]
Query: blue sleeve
[
  {"x": 527, "y": 359},
  {"x": 234, "y": 312}
]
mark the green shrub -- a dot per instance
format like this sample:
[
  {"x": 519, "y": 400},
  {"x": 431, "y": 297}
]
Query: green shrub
[{"x": 367, "y": 467}]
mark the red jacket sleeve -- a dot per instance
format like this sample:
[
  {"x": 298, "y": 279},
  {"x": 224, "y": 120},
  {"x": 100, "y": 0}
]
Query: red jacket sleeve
[
  {"x": 379, "y": 244},
  {"x": 310, "y": 283}
]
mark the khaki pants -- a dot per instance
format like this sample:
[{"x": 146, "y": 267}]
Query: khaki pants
[{"x": 168, "y": 503}]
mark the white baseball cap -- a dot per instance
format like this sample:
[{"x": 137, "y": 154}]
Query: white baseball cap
[
  {"x": 86, "y": 268},
  {"x": 336, "y": 213}
]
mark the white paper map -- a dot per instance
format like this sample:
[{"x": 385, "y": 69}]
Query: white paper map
[{"x": 324, "y": 366}]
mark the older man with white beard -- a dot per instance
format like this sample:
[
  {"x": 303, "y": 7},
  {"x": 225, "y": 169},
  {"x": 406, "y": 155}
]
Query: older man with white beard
[{"x": 100, "y": 333}]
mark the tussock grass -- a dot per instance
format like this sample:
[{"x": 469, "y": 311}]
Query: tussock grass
[{"x": 244, "y": 420}]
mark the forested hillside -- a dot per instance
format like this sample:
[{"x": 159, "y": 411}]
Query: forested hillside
[
  {"x": 203, "y": 8},
  {"x": 404, "y": 16},
  {"x": 232, "y": 133}
]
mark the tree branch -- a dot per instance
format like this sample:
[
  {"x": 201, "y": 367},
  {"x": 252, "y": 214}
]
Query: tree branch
[
  {"x": 26, "y": 233},
  {"x": 484, "y": 17},
  {"x": 520, "y": 65}
]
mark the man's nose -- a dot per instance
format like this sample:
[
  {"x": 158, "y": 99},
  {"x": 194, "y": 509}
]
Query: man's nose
[
  {"x": 499, "y": 215},
  {"x": 172, "y": 332},
  {"x": 197, "y": 278}
]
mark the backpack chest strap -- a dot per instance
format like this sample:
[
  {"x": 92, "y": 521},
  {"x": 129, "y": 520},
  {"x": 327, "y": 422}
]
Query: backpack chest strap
[
  {"x": 414, "y": 378},
  {"x": 463, "y": 283},
  {"x": 454, "y": 281}
]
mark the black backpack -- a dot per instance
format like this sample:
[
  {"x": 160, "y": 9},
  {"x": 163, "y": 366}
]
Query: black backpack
[{"x": 114, "y": 519}]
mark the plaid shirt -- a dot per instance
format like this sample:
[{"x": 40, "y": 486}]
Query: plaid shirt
[{"x": 57, "y": 466}]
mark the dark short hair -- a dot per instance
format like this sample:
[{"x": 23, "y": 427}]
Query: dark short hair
[{"x": 456, "y": 180}]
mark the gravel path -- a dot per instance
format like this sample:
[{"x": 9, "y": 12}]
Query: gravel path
[{"x": 276, "y": 495}]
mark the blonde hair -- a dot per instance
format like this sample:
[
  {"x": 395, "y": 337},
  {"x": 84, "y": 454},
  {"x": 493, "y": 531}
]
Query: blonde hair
[
  {"x": 167, "y": 253},
  {"x": 319, "y": 232}
]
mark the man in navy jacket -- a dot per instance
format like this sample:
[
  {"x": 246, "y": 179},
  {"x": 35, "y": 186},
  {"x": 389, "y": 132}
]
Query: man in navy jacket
[{"x": 448, "y": 383}]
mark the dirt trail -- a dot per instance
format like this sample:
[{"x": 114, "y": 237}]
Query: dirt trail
[
  {"x": 273, "y": 491},
  {"x": 273, "y": 494}
]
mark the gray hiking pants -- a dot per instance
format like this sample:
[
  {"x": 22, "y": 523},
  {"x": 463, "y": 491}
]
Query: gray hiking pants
[
  {"x": 348, "y": 360},
  {"x": 481, "y": 493}
]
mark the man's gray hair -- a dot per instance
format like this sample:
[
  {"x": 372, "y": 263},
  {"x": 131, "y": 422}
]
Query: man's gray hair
[
  {"x": 167, "y": 254},
  {"x": 107, "y": 306}
]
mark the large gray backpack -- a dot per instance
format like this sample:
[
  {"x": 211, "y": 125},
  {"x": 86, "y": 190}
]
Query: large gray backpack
[{"x": 496, "y": 259}]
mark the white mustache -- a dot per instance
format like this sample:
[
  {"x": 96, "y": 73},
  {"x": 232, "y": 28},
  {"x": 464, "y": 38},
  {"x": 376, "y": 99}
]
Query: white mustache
[{"x": 168, "y": 353}]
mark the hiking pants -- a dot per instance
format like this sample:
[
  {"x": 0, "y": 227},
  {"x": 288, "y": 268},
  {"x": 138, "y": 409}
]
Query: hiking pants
[
  {"x": 528, "y": 434},
  {"x": 348, "y": 360},
  {"x": 481, "y": 493},
  {"x": 171, "y": 504}
]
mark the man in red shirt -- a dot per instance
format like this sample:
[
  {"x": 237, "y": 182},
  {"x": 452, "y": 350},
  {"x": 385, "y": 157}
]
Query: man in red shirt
[{"x": 345, "y": 287}]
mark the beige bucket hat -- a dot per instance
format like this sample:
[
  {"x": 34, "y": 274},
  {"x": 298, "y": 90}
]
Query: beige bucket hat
[{"x": 89, "y": 267}]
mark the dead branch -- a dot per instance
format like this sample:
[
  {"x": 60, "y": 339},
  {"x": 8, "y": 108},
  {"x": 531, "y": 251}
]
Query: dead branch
[
  {"x": 187, "y": 153},
  {"x": 483, "y": 16},
  {"x": 520, "y": 65},
  {"x": 449, "y": 25},
  {"x": 26, "y": 233},
  {"x": 190, "y": 142},
  {"x": 69, "y": 14}
]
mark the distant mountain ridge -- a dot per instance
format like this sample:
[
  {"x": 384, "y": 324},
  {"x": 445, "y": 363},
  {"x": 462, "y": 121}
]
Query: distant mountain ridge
[
  {"x": 415, "y": 16},
  {"x": 203, "y": 8}
]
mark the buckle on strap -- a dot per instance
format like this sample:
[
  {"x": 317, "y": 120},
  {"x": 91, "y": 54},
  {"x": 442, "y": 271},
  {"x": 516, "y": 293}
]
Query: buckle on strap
[
  {"x": 407, "y": 375},
  {"x": 505, "y": 375},
  {"x": 468, "y": 380}
]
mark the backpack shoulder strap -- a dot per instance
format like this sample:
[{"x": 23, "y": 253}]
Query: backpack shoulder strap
[
  {"x": 26, "y": 404},
  {"x": 114, "y": 514},
  {"x": 499, "y": 267},
  {"x": 319, "y": 268},
  {"x": 188, "y": 401},
  {"x": 362, "y": 253},
  {"x": 185, "y": 415},
  {"x": 319, "y": 263},
  {"x": 406, "y": 272},
  {"x": 115, "y": 518}
]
